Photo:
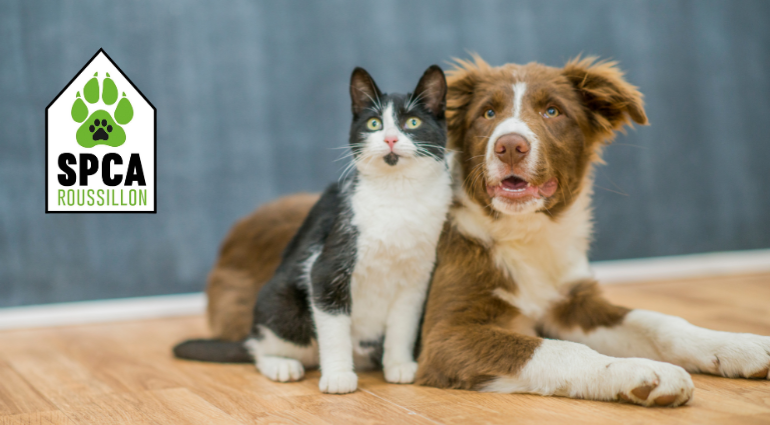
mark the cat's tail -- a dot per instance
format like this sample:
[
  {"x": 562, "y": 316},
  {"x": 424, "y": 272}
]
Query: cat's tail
[{"x": 213, "y": 350}]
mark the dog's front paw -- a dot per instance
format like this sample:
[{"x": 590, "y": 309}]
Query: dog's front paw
[
  {"x": 651, "y": 383},
  {"x": 402, "y": 373},
  {"x": 338, "y": 383},
  {"x": 737, "y": 355}
]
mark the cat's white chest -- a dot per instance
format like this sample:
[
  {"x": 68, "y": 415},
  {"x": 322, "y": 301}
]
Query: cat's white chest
[{"x": 399, "y": 223}]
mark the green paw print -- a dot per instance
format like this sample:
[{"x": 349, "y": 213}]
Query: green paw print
[{"x": 100, "y": 128}]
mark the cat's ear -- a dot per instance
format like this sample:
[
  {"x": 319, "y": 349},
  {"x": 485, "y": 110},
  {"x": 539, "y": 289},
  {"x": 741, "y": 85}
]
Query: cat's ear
[
  {"x": 363, "y": 91},
  {"x": 431, "y": 91}
]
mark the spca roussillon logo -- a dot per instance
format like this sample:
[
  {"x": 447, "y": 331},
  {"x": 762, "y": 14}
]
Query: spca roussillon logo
[{"x": 100, "y": 144}]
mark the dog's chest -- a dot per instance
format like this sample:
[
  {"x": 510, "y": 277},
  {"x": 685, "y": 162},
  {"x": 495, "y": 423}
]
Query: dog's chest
[
  {"x": 538, "y": 273},
  {"x": 398, "y": 229},
  {"x": 541, "y": 257}
]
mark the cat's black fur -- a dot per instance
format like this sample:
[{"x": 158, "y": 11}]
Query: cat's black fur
[{"x": 283, "y": 304}]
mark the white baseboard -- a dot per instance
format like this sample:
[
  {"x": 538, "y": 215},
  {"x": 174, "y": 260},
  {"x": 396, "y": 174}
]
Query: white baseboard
[
  {"x": 607, "y": 272},
  {"x": 100, "y": 311},
  {"x": 682, "y": 266}
]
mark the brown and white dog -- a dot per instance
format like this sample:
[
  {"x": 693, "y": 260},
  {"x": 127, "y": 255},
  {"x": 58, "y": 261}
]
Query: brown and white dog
[
  {"x": 513, "y": 264},
  {"x": 513, "y": 305}
]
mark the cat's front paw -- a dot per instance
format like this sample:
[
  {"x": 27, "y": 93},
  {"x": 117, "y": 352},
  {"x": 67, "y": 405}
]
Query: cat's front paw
[
  {"x": 338, "y": 383},
  {"x": 402, "y": 373},
  {"x": 281, "y": 369}
]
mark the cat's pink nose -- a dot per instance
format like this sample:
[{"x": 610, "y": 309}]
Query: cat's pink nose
[{"x": 391, "y": 140}]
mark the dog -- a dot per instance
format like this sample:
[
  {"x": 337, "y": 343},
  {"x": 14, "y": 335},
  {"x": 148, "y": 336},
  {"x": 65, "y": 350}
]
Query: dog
[{"x": 513, "y": 305}]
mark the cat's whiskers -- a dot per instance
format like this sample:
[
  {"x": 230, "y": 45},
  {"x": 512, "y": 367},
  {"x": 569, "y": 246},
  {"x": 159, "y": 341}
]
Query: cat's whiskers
[
  {"x": 349, "y": 145},
  {"x": 354, "y": 148},
  {"x": 413, "y": 101},
  {"x": 347, "y": 170},
  {"x": 428, "y": 153},
  {"x": 377, "y": 104},
  {"x": 423, "y": 147},
  {"x": 348, "y": 155}
]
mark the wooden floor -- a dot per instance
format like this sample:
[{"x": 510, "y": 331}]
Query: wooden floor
[{"x": 124, "y": 374}]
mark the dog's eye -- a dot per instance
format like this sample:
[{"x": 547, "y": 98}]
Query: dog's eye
[
  {"x": 551, "y": 112},
  {"x": 374, "y": 124},
  {"x": 413, "y": 123},
  {"x": 489, "y": 114}
]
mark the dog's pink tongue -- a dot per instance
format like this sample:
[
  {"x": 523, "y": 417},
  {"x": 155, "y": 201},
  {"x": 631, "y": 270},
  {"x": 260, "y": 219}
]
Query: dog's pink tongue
[
  {"x": 549, "y": 187},
  {"x": 514, "y": 183}
]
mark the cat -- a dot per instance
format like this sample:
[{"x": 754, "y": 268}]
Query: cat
[{"x": 350, "y": 290}]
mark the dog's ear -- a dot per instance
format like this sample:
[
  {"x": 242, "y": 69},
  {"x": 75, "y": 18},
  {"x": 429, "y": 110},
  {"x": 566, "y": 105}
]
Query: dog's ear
[
  {"x": 363, "y": 91},
  {"x": 610, "y": 100},
  {"x": 431, "y": 91},
  {"x": 462, "y": 80}
]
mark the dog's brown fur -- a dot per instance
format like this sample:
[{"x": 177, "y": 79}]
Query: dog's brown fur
[
  {"x": 247, "y": 260},
  {"x": 468, "y": 336},
  {"x": 585, "y": 307}
]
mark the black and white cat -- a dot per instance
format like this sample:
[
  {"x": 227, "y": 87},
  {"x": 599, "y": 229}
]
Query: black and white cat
[{"x": 350, "y": 290}]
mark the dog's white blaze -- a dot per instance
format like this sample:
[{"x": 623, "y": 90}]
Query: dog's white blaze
[
  {"x": 674, "y": 340},
  {"x": 518, "y": 94},
  {"x": 514, "y": 124},
  {"x": 568, "y": 369}
]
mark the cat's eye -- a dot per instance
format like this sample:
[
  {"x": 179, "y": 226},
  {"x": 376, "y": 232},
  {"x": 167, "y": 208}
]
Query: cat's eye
[
  {"x": 374, "y": 124},
  {"x": 551, "y": 112},
  {"x": 413, "y": 123},
  {"x": 489, "y": 114}
]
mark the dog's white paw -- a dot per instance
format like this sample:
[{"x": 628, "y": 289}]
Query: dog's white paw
[
  {"x": 338, "y": 383},
  {"x": 402, "y": 373},
  {"x": 651, "y": 383},
  {"x": 735, "y": 355},
  {"x": 280, "y": 369}
]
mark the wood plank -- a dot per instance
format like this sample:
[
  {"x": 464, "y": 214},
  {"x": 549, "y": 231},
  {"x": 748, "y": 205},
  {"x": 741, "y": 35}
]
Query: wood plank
[
  {"x": 112, "y": 409},
  {"x": 181, "y": 406},
  {"x": 40, "y": 418},
  {"x": 113, "y": 361},
  {"x": 56, "y": 377},
  {"x": 17, "y": 396},
  {"x": 173, "y": 406}
]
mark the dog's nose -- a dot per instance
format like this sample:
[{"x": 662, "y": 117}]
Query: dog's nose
[{"x": 511, "y": 148}]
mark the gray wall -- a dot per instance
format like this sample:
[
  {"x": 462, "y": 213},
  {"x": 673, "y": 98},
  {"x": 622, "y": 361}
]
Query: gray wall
[{"x": 252, "y": 96}]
